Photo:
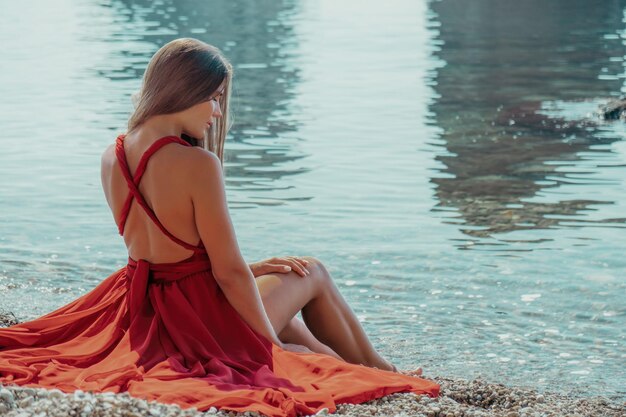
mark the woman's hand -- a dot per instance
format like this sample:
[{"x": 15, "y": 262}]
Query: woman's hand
[{"x": 279, "y": 265}]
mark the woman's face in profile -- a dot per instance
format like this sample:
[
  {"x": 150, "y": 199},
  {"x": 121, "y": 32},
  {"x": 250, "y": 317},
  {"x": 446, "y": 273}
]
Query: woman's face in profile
[{"x": 199, "y": 117}]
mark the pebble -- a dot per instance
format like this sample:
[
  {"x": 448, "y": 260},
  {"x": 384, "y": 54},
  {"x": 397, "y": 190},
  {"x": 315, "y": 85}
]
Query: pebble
[
  {"x": 458, "y": 398},
  {"x": 6, "y": 396},
  {"x": 56, "y": 393},
  {"x": 26, "y": 402},
  {"x": 28, "y": 391}
]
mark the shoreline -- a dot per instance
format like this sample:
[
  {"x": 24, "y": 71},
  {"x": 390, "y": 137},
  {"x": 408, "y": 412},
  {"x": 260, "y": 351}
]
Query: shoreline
[{"x": 458, "y": 398}]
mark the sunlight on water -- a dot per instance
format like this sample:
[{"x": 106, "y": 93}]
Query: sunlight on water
[{"x": 451, "y": 174}]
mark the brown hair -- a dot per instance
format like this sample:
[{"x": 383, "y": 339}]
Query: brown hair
[{"x": 183, "y": 73}]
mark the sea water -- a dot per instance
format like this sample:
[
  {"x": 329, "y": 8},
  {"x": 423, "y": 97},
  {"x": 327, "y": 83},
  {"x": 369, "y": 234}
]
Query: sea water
[{"x": 441, "y": 158}]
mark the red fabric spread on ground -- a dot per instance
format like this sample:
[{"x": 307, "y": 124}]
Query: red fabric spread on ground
[{"x": 150, "y": 324}]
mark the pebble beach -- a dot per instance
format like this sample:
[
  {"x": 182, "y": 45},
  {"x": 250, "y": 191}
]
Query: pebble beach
[
  {"x": 457, "y": 166},
  {"x": 458, "y": 398}
]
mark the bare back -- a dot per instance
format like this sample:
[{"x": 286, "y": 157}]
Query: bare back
[{"x": 165, "y": 186}]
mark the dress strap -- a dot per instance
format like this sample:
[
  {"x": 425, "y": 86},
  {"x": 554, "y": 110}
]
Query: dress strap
[{"x": 133, "y": 185}]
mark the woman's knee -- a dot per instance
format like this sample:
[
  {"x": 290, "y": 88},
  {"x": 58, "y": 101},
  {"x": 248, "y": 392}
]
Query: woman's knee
[{"x": 317, "y": 269}]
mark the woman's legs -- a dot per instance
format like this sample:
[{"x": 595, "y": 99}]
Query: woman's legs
[
  {"x": 332, "y": 321},
  {"x": 296, "y": 332},
  {"x": 324, "y": 310}
]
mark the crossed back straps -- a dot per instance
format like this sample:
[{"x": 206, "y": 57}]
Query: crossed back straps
[{"x": 133, "y": 185}]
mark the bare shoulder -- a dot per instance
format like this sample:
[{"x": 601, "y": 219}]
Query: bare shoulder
[
  {"x": 203, "y": 174},
  {"x": 108, "y": 153},
  {"x": 106, "y": 163},
  {"x": 107, "y": 158},
  {"x": 200, "y": 155},
  {"x": 200, "y": 162}
]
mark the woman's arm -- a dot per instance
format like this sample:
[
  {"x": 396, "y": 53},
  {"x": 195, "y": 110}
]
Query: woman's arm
[{"x": 215, "y": 227}]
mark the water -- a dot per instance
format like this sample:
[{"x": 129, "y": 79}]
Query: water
[{"x": 441, "y": 158}]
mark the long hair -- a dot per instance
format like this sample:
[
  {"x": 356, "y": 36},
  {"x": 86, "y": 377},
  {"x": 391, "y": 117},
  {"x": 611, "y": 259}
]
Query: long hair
[{"x": 183, "y": 73}]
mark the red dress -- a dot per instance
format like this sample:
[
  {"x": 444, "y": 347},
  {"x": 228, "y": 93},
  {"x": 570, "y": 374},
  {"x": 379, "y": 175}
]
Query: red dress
[{"x": 150, "y": 324}]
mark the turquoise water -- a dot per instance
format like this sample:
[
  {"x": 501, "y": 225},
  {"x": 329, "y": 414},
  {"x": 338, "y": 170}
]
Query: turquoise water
[{"x": 441, "y": 158}]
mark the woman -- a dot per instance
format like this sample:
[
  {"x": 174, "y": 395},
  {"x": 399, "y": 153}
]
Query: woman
[
  {"x": 164, "y": 111},
  {"x": 197, "y": 314}
]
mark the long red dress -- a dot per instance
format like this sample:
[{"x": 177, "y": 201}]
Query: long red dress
[{"x": 150, "y": 324}]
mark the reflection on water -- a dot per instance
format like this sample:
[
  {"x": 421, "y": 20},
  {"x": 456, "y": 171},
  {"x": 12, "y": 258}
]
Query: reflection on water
[
  {"x": 95, "y": 55},
  {"x": 381, "y": 140},
  {"x": 500, "y": 67},
  {"x": 256, "y": 37}
]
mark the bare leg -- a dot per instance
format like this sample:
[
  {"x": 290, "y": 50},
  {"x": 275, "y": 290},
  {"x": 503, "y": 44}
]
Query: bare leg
[
  {"x": 332, "y": 321},
  {"x": 296, "y": 332},
  {"x": 326, "y": 314}
]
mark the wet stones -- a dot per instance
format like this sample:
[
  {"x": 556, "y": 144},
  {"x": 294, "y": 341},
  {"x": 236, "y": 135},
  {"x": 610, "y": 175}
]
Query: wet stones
[
  {"x": 8, "y": 319},
  {"x": 613, "y": 110}
]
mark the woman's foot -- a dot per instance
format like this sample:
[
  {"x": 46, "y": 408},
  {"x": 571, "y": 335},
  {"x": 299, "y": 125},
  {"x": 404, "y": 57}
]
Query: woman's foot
[
  {"x": 416, "y": 372},
  {"x": 385, "y": 365}
]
